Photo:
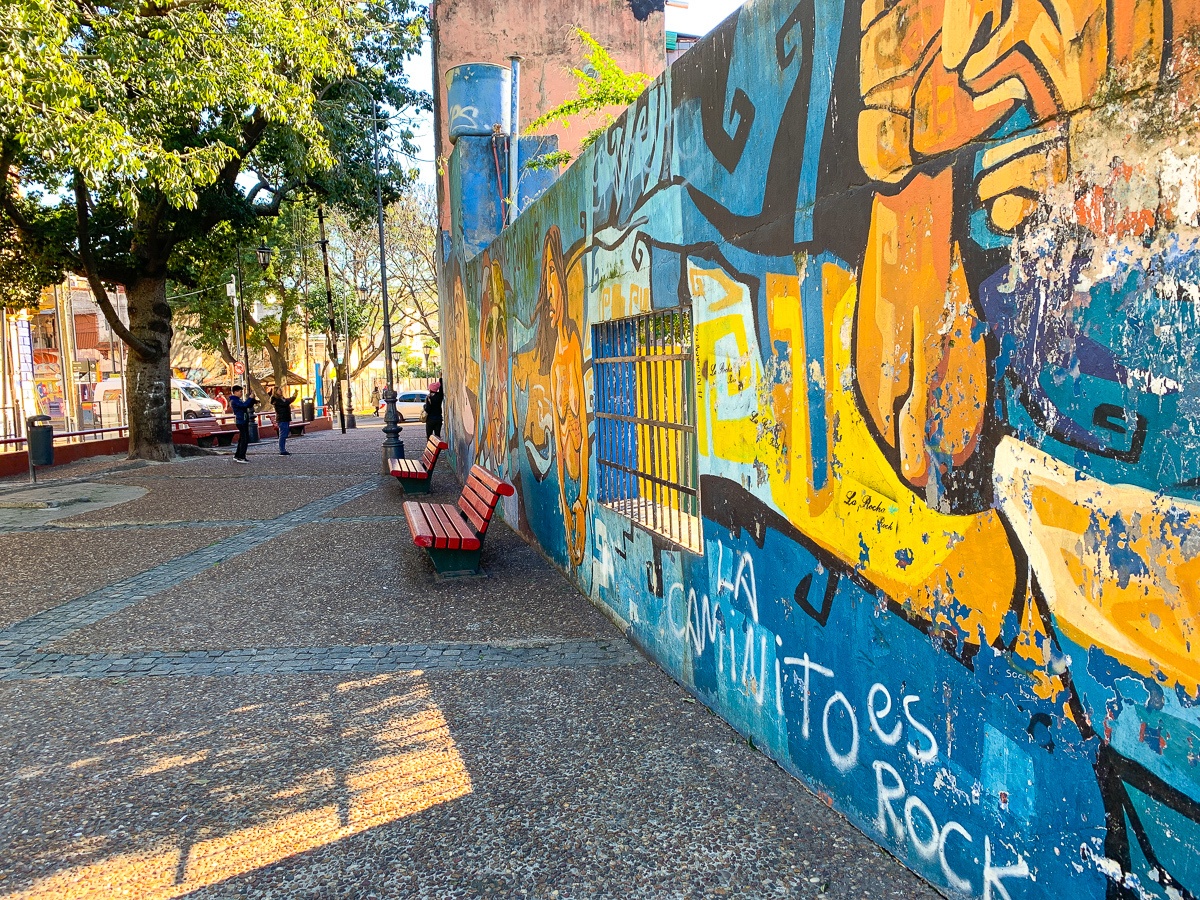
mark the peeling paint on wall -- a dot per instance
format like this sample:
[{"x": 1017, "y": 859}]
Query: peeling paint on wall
[{"x": 941, "y": 262}]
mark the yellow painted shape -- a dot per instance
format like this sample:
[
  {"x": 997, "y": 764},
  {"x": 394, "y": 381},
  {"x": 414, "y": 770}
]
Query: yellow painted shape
[
  {"x": 925, "y": 560},
  {"x": 727, "y": 438},
  {"x": 1147, "y": 619}
]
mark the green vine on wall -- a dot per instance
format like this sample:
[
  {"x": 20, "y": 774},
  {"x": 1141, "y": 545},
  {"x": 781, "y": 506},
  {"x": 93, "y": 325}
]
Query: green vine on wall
[{"x": 599, "y": 86}]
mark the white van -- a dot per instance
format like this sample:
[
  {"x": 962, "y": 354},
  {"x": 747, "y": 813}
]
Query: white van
[{"x": 188, "y": 401}]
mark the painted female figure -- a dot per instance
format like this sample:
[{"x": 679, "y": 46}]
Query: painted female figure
[{"x": 567, "y": 397}]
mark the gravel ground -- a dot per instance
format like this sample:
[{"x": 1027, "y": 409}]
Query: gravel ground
[
  {"x": 404, "y": 738},
  {"x": 354, "y": 583},
  {"x": 45, "y": 568},
  {"x": 563, "y": 782},
  {"x": 214, "y": 499},
  {"x": 388, "y": 499}
]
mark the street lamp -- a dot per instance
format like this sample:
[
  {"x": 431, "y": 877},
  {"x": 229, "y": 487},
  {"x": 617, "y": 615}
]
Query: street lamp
[
  {"x": 393, "y": 447},
  {"x": 332, "y": 333},
  {"x": 264, "y": 256},
  {"x": 351, "y": 422}
]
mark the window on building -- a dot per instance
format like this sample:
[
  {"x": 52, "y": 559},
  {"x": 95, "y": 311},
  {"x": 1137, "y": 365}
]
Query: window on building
[{"x": 645, "y": 385}]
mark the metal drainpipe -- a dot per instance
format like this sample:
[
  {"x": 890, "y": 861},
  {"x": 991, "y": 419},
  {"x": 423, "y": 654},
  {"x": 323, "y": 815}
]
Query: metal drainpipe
[{"x": 514, "y": 175}]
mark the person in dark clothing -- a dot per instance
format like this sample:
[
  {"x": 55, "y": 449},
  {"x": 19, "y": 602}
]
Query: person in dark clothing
[
  {"x": 242, "y": 410},
  {"x": 433, "y": 410},
  {"x": 283, "y": 417}
]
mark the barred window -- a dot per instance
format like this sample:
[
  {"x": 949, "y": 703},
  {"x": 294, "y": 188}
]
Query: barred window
[{"x": 645, "y": 382}]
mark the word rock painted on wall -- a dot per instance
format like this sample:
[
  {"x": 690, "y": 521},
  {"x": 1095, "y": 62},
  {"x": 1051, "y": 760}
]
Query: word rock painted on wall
[{"x": 938, "y": 419}]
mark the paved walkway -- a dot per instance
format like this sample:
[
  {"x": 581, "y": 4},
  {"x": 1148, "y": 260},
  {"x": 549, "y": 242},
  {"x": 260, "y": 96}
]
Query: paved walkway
[{"x": 243, "y": 681}]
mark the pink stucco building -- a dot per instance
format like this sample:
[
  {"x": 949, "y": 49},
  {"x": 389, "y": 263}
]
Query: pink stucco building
[{"x": 490, "y": 31}]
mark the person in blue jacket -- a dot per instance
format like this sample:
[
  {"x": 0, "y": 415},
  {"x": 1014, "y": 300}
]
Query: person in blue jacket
[{"x": 242, "y": 410}]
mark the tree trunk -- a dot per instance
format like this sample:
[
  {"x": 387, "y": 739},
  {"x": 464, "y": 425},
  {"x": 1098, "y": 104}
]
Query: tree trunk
[{"x": 148, "y": 379}]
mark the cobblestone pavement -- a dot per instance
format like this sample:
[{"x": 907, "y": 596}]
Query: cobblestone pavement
[{"x": 248, "y": 683}]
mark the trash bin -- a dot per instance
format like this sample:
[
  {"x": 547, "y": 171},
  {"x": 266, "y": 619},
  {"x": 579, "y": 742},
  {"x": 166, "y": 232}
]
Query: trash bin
[
  {"x": 254, "y": 428},
  {"x": 308, "y": 410},
  {"x": 40, "y": 433}
]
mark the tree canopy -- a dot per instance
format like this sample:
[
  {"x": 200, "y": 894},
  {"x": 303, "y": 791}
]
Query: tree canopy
[{"x": 137, "y": 127}]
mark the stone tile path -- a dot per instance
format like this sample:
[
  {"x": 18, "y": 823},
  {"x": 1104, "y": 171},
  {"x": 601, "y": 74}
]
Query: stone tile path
[{"x": 273, "y": 697}]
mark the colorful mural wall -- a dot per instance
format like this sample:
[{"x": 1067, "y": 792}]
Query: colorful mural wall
[{"x": 941, "y": 264}]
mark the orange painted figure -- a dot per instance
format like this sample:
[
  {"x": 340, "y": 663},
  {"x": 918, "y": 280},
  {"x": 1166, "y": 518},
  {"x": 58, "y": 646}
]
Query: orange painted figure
[
  {"x": 1009, "y": 82},
  {"x": 493, "y": 347},
  {"x": 463, "y": 373},
  {"x": 567, "y": 397}
]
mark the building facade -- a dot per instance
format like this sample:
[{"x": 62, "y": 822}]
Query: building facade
[{"x": 54, "y": 356}]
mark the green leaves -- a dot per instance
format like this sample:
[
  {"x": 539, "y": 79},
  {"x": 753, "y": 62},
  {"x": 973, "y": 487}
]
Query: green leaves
[
  {"x": 599, "y": 87},
  {"x": 158, "y": 97}
]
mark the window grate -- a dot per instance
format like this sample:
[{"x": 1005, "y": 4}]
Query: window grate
[{"x": 645, "y": 377}]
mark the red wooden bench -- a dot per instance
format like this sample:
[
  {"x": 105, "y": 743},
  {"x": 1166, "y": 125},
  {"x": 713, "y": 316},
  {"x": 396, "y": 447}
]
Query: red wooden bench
[
  {"x": 210, "y": 433},
  {"x": 452, "y": 534},
  {"x": 416, "y": 475}
]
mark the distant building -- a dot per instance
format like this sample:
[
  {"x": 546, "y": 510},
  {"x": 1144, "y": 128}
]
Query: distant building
[
  {"x": 678, "y": 44},
  {"x": 54, "y": 355}
]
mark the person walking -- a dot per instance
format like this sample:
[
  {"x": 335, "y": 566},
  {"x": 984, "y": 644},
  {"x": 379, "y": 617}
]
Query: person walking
[
  {"x": 242, "y": 410},
  {"x": 433, "y": 410},
  {"x": 283, "y": 417},
  {"x": 375, "y": 401}
]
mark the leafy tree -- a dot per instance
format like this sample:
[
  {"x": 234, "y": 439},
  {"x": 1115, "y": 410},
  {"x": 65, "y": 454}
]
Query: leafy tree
[
  {"x": 599, "y": 87},
  {"x": 140, "y": 127},
  {"x": 411, "y": 237},
  {"x": 206, "y": 317},
  {"x": 22, "y": 275}
]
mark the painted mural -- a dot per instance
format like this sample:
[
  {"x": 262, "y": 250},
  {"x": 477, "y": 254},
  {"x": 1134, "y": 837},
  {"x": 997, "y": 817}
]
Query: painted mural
[{"x": 942, "y": 265}]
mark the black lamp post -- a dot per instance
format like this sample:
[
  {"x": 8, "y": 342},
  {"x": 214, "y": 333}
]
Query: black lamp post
[
  {"x": 264, "y": 256},
  {"x": 393, "y": 447}
]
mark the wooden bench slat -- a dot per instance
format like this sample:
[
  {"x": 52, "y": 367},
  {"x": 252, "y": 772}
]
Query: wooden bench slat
[
  {"x": 467, "y": 498},
  {"x": 453, "y": 533},
  {"x": 487, "y": 498},
  {"x": 491, "y": 482},
  {"x": 481, "y": 502},
  {"x": 469, "y": 537},
  {"x": 448, "y": 535},
  {"x": 407, "y": 468},
  {"x": 418, "y": 524},
  {"x": 478, "y": 522},
  {"x": 418, "y": 469},
  {"x": 466, "y": 532}
]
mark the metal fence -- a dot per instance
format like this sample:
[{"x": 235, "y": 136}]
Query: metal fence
[{"x": 645, "y": 387}]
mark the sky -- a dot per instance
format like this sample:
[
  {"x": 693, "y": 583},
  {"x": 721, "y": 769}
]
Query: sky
[{"x": 699, "y": 17}]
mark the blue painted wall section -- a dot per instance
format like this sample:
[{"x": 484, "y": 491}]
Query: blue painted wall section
[
  {"x": 941, "y": 265},
  {"x": 479, "y": 184}
]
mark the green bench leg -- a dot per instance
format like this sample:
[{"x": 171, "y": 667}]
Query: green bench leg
[
  {"x": 454, "y": 562},
  {"x": 416, "y": 485}
]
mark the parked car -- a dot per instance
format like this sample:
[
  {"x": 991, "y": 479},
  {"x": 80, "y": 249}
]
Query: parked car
[
  {"x": 188, "y": 400},
  {"x": 411, "y": 406}
]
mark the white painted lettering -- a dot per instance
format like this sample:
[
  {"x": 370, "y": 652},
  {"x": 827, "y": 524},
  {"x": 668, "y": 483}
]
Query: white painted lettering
[
  {"x": 921, "y": 755},
  {"x": 993, "y": 875},
  {"x": 953, "y": 879},
  {"x": 884, "y": 795},
  {"x": 874, "y": 715},
  {"x": 843, "y": 762},
  {"x": 808, "y": 665},
  {"x": 926, "y": 849}
]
